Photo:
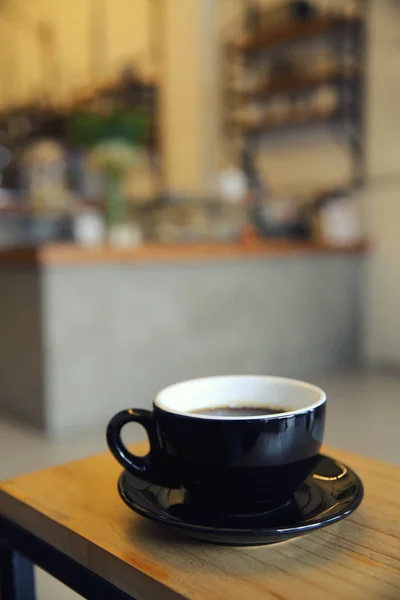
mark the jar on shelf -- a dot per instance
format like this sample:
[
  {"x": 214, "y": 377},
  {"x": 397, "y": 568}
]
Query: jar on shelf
[{"x": 325, "y": 100}]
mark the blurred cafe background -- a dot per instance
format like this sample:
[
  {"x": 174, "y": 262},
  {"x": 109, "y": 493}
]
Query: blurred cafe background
[
  {"x": 196, "y": 187},
  {"x": 190, "y": 188}
]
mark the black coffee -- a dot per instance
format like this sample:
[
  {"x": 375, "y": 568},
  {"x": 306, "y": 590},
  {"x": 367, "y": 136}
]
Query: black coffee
[{"x": 239, "y": 411}]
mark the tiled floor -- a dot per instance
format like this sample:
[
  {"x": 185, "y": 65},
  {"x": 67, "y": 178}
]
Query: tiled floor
[{"x": 364, "y": 416}]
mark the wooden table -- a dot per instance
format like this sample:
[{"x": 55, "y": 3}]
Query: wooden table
[{"x": 70, "y": 521}]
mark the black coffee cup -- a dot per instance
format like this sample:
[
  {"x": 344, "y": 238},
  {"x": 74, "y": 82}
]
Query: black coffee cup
[{"x": 256, "y": 440}]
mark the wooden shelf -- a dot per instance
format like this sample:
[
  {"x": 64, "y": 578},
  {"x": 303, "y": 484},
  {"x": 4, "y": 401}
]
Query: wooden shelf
[
  {"x": 293, "y": 85},
  {"x": 294, "y": 121},
  {"x": 293, "y": 31}
]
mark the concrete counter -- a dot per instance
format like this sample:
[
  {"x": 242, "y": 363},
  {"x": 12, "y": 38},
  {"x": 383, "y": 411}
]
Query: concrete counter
[
  {"x": 81, "y": 339},
  {"x": 72, "y": 254}
]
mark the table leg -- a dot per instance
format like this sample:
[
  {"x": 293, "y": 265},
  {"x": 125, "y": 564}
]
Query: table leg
[
  {"x": 16, "y": 575},
  {"x": 20, "y": 549}
]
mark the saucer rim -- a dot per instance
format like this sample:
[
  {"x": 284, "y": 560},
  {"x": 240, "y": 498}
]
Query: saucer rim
[{"x": 233, "y": 531}]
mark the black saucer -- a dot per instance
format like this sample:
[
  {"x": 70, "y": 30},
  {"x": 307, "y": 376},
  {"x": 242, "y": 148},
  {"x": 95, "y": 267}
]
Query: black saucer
[{"x": 331, "y": 493}]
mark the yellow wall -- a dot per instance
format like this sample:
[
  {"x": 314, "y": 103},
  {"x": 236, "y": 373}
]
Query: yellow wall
[
  {"x": 189, "y": 96},
  {"x": 189, "y": 85},
  {"x": 127, "y": 37},
  {"x": 381, "y": 200}
]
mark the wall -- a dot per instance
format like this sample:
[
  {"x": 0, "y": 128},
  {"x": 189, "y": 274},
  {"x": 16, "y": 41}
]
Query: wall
[
  {"x": 382, "y": 291},
  {"x": 382, "y": 197},
  {"x": 190, "y": 93},
  {"x": 183, "y": 32},
  {"x": 71, "y": 63}
]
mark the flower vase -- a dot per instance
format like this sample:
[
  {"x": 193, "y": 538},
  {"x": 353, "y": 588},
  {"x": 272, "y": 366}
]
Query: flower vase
[{"x": 116, "y": 205}]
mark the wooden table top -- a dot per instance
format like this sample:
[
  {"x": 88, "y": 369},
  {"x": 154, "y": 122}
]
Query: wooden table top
[{"x": 76, "y": 508}]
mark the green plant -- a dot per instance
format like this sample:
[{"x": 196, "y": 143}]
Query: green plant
[{"x": 86, "y": 129}]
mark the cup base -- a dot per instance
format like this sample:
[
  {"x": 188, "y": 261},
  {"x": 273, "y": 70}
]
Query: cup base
[{"x": 257, "y": 489}]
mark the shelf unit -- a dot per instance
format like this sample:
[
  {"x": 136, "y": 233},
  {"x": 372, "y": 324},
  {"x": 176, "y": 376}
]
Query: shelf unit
[{"x": 256, "y": 49}]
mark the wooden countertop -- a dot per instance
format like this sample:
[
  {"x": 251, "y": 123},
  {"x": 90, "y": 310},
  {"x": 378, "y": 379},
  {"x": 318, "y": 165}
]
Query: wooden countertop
[
  {"x": 73, "y": 254},
  {"x": 76, "y": 509}
]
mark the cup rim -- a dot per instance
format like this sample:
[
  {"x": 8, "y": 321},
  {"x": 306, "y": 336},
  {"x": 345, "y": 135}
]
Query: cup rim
[{"x": 298, "y": 411}]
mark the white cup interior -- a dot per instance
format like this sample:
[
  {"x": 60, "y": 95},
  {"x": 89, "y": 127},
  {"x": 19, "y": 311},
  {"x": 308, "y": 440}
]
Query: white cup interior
[{"x": 240, "y": 391}]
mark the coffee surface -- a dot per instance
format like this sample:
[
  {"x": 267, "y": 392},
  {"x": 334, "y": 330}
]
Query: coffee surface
[{"x": 239, "y": 411}]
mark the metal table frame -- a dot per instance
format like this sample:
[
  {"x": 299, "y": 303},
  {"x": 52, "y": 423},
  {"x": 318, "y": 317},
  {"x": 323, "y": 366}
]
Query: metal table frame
[{"x": 21, "y": 550}]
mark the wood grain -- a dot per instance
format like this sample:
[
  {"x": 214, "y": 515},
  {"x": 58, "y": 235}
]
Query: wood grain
[
  {"x": 72, "y": 254},
  {"x": 76, "y": 508}
]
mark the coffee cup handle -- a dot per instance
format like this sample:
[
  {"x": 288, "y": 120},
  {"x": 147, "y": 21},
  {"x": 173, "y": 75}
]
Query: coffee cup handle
[{"x": 141, "y": 466}]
